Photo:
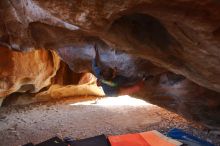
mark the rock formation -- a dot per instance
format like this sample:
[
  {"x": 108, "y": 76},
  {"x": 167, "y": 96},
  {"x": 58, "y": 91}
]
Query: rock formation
[
  {"x": 182, "y": 36},
  {"x": 26, "y": 72},
  {"x": 175, "y": 43},
  {"x": 43, "y": 73}
]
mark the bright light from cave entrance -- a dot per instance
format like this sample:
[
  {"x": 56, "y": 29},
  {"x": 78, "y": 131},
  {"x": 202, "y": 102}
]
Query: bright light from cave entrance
[{"x": 112, "y": 101}]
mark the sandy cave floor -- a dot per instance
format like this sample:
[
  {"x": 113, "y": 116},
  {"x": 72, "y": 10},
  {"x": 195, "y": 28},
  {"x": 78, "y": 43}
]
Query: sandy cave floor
[{"x": 41, "y": 121}]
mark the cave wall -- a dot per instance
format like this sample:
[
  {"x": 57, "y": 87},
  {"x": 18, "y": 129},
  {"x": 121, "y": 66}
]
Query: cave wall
[
  {"x": 26, "y": 72},
  {"x": 182, "y": 36},
  {"x": 80, "y": 57},
  {"x": 180, "y": 95},
  {"x": 40, "y": 75}
]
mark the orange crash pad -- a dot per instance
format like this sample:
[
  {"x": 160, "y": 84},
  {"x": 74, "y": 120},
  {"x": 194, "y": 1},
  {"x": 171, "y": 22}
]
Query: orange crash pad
[
  {"x": 128, "y": 140},
  {"x": 151, "y": 138},
  {"x": 155, "y": 138}
]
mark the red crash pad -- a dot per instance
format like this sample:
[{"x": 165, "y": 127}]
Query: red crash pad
[
  {"x": 128, "y": 140},
  {"x": 151, "y": 138}
]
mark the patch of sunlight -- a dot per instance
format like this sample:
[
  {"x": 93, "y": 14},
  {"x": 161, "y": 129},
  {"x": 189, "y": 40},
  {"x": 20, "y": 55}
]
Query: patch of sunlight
[{"x": 111, "y": 101}]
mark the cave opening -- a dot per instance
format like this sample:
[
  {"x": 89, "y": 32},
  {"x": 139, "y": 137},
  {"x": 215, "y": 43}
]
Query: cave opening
[
  {"x": 74, "y": 105},
  {"x": 123, "y": 100},
  {"x": 85, "y": 68}
]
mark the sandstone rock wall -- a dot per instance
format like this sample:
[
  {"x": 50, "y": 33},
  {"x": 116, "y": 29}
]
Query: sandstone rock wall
[
  {"x": 43, "y": 73},
  {"x": 184, "y": 97},
  {"x": 26, "y": 72},
  {"x": 182, "y": 36}
]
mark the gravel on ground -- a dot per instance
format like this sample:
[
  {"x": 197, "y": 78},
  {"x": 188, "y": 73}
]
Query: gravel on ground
[{"x": 41, "y": 121}]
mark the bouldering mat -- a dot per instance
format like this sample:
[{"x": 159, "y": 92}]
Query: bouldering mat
[
  {"x": 186, "y": 138},
  {"x": 128, "y": 140},
  {"x": 100, "y": 140},
  {"x": 29, "y": 144},
  {"x": 55, "y": 141},
  {"x": 155, "y": 138}
]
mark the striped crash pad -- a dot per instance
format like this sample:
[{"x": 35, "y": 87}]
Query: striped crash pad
[{"x": 151, "y": 138}]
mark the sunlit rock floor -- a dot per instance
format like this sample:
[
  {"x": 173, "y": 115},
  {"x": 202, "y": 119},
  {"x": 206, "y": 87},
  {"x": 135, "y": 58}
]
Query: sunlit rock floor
[{"x": 81, "y": 119}]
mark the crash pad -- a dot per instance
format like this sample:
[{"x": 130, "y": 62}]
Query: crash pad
[
  {"x": 29, "y": 144},
  {"x": 186, "y": 138},
  {"x": 100, "y": 140},
  {"x": 155, "y": 138},
  {"x": 128, "y": 140},
  {"x": 55, "y": 141}
]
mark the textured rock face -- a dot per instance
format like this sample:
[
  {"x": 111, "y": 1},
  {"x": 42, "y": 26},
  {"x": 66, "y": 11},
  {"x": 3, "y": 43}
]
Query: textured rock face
[
  {"x": 184, "y": 97},
  {"x": 22, "y": 74},
  {"x": 26, "y": 72},
  {"x": 67, "y": 83},
  {"x": 80, "y": 58},
  {"x": 181, "y": 36}
]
